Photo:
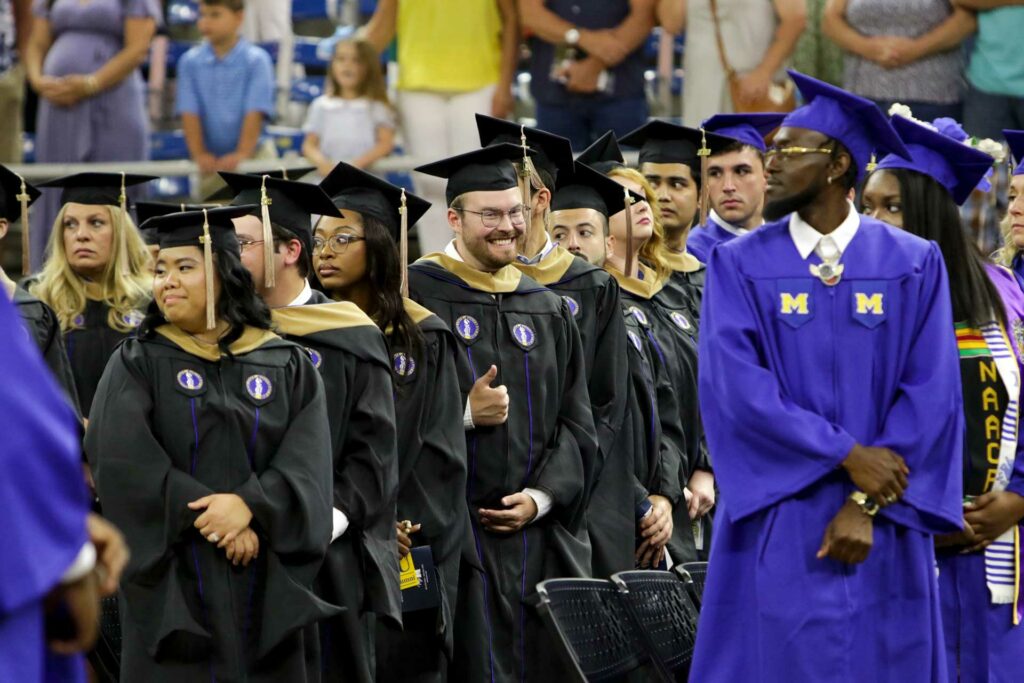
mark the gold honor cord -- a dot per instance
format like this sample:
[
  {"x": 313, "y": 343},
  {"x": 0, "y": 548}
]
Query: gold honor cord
[
  {"x": 268, "y": 236},
  {"x": 25, "y": 242},
  {"x": 211, "y": 305},
  {"x": 630, "y": 255},
  {"x": 705, "y": 194},
  {"x": 403, "y": 244}
]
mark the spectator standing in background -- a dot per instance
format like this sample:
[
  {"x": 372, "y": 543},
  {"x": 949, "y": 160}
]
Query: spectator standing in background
[
  {"x": 906, "y": 51},
  {"x": 758, "y": 37},
  {"x": 353, "y": 120},
  {"x": 83, "y": 59},
  {"x": 815, "y": 54},
  {"x": 270, "y": 21},
  {"x": 225, "y": 93},
  {"x": 587, "y": 71},
  {"x": 15, "y": 24},
  {"x": 995, "y": 74},
  {"x": 455, "y": 59}
]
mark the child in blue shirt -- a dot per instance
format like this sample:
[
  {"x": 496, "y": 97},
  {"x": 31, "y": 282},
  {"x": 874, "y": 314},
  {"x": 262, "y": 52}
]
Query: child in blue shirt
[{"x": 225, "y": 90}]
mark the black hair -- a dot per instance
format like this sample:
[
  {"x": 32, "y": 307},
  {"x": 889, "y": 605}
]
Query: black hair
[
  {"x": 305, "y": 262},
  {"x": 849, "y": 179},
  {"x": 238, "y": 305},
  {"x": 930, "y": 212}
]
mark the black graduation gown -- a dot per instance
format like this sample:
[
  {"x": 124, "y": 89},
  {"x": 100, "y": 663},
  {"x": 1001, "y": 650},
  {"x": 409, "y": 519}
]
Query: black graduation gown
[
  {"x": 663, "y": 312},
  {"x": 42, "y": 324},
  {"x": 361, "y": 568},
  {"x": 432, "y": 486},
  {"x": 90, "y": 344},
  {"x": 527, "y": 332},
  {"x": 689, "y": 274},
  {"x": 173, "y": 422},
  {"x": 593, "y": 298}
]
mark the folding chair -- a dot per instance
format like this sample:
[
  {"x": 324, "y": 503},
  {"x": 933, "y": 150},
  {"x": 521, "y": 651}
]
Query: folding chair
[
  {"x": 698, "y": 573},
  {"x": 660, "y": 603},
  {"x": 597, "y": 635}
]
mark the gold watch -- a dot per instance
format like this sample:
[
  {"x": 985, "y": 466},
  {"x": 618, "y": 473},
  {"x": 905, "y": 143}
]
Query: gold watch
[{"x": 865, "y": 502}]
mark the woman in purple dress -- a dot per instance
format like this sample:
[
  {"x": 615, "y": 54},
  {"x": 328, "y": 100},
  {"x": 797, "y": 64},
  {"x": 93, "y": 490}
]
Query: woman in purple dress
[{"x": 83, "y": 59}]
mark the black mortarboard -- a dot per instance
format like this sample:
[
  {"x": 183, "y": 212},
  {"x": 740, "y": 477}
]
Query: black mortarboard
[
  {"x": 226, "y": 194},
  {"x": 97, "y": 188},
  {"x": 603, "y": 155},
  {"x": 356, "y": 190},
  {"x": 550, "y": 152},
  {"x": 483, "y": 170},
  {"x": 146, "y": 210},
  {"x": 662, "y": 142},
  {"x": 587, "y": 188},
  {"x": 16, "y": 196},
  {"x": 209, "y": 229}
]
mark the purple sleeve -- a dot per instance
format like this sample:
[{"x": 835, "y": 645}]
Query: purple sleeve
[
  {"x": 42, "y": 487},
  {"x": 767, "y": 448}
]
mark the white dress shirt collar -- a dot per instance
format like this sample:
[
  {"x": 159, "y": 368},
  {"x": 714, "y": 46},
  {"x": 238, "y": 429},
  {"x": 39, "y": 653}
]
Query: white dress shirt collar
[
  {"x": 305, "y": 295},
  {"x": 806, "y": 237}
]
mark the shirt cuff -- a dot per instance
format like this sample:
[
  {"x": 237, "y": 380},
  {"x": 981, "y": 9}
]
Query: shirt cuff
[
  {"x": 467, "y": 417},
  {"x": 543, "y": 501},
  {"x": 340, "y": 524},
  {"x": 83, "y": 564}
]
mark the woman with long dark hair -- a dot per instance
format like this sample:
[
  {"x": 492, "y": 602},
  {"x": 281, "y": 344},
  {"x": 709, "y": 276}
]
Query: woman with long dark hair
[
  {"x": 357, "y": 259},
  {"x": 978, "y": 568},
  {"x": 210, "y": 450}
]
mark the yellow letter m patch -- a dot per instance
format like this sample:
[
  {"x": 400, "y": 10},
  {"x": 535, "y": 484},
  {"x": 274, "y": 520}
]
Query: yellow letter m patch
[
  {"x": 869, "y": 303},
  {"x": 794, "y": 304}
]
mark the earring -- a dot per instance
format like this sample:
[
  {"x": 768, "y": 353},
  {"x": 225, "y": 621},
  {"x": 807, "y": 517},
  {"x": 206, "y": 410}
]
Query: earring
[{"x": 829, "y": 180}]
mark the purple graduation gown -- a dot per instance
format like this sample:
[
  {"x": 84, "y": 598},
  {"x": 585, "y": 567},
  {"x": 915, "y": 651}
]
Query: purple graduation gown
[
  {"x": 793, "y": 374},
  {"x": 44, "y": 502},
  {"x": 982, "y": 643},
  {"x": 703, "y": 239}
]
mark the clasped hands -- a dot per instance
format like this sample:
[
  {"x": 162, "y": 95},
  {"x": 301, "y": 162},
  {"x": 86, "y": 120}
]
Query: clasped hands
[{"x": 225, "y": 521}]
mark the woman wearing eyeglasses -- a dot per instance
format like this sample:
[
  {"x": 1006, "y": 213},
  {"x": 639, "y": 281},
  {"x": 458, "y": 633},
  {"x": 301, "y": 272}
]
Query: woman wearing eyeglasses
[{"x": 356, "y": 259}]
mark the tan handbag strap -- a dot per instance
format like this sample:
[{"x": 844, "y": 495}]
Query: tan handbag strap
[{"x": 718, "y": 39}]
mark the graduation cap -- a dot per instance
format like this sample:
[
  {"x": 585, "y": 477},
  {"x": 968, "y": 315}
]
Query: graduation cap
[
  {"x": 209, "y": 229},
  {"x": 549, "y": 152},
  {"x": 16, "y": 196},
  {"x": 854, "y": 121},
  {"x": 226, "y": 194},
  {"x": 603, "y": 155},
  {"x": 662, "y": 142},
  {"x": 750, "y": 129},
  {"x": 1015, "y": 138},
  {"x": 956, "y": 166},
  {"x": 587, "y": 188},
  {"x": 106, "y": 189},
  {"x": 353, "y": 189},
  {"x": 146, "y": 210},
  {"x": 286, "y": 203},
  {"x": 482, "y": 170}
]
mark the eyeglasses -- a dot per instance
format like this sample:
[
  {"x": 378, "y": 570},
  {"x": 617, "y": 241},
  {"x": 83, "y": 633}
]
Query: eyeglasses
[
  {"x": 338, "y": 243},
  {"x": 491, "y": 218},
  {"x": 245, "y": 244},
  {"x": 787, "y": 152}
]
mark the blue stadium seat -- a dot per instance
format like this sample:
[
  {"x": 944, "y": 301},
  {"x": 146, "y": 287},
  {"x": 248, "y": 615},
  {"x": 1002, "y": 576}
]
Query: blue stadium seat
[
  {"x": 169, "y": 188},
  {"x": 286, "y": 139},
  {"x": 175, "y": 50},
  {"x": 305, "y": 52},
  {"x": 28, "y": 148},
  {"x": 305, "y": 90},
  {"x": 272, "y": 49},
  {"x": 167, "y": 145},
  {"x": 309, "y": 9},
  {"x": 367, "y": 7},
  {"x": 181, "y": 12}
]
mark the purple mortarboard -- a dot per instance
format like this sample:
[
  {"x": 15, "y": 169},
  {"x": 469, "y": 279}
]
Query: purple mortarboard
[
  {"x": 956, "y": 166},
  {"x": 662, "y": 142},
  {"x": 588, "y": 188},
  {"x": 551, "y": 153},
  {"x": 854, "y": 121},
  {"x": 482, "y": 170},
  {"x": 603, "y": 155},
  {"x": 750, "y": 129},
  {"x": 1016, "y": 140}
]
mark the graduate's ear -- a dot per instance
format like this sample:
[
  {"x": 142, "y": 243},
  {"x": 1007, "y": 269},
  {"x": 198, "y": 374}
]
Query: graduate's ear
[
  {"x": 542, "y": 200},
  {"x": 4, "y": 227},
  {"x": 838, "y": 166},
  {"x": 455, "y": 220}
]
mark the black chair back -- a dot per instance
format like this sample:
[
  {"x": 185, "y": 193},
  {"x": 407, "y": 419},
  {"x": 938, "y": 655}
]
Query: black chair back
[{"x": 698, "y": 572}]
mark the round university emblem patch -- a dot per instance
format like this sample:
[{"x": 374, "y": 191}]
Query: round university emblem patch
[
  {"x": 574, "y": 306},
  {"x": 404, "y": 364},
  {"x": 680, "y": 320},
  {"x": 259, "y": 387},
  {"x": 634, "y": 338},
  {"x": 190, "y": 380},
  {"x": 524, "y": 336},
  {"x": 315, "y": 356},
  {"x": 638, "y": 315},
  {"x": 467, "y": 327}
]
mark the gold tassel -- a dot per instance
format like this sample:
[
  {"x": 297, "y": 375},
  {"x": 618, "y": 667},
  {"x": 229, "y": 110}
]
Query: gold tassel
[
  {"x": 122, "y": 201},
  {"x": 268, "y": 236},
  {"x": 403, "y": 244},
  {"x": 211, "y": 304},
  {"x": 630, "y": 255},
  {"x": 524, "y": 172},
  {"x": 872, "y": 165},
  {"x": 25, "y": 243},
  {"x": 705, "y": 194}
]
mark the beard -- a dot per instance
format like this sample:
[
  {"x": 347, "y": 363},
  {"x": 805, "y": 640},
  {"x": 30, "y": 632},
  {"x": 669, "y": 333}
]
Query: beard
[{"x": 774, "y": 209}]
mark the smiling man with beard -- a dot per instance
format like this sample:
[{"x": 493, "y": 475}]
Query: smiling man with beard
[
  {"x": 830, "y": 394},
  {"x": 530, "y": 439}
]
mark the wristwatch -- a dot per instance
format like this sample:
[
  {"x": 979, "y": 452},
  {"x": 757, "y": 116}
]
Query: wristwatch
[
  {"x": 865, "y": 502},
  {"x": 572, "y": 37}
]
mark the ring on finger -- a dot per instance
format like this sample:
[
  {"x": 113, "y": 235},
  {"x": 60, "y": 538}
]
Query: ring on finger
[{"x": 213, "y": 537}]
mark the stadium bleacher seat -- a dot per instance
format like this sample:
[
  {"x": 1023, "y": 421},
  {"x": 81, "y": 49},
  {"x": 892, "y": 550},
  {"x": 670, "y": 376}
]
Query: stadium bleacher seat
[
  {"x": 287, "y": 140},
  {"x": 309, "y": 9},
  {"x": 305, "y": 90},
  {"x": 305, "y": 52},
  {"x": 182, "y": 12},
  {"x": 167, "y": 145}
]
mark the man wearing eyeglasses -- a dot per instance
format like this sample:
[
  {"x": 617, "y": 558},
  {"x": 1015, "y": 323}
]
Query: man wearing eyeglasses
[
  {"x": 830, "y": 393},
  {"x": 360, "y": 571},
  {"x": 528, "y": 438}
]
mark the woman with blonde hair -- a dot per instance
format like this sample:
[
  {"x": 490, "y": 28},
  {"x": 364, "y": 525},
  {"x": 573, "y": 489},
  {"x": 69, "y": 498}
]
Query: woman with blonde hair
[{"x": 96, "y": 275}]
